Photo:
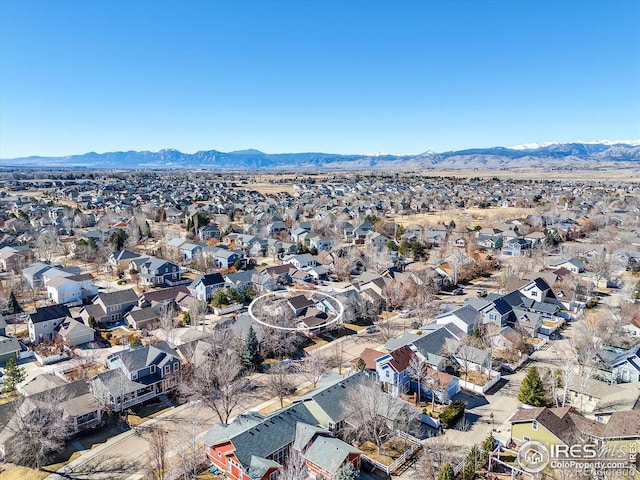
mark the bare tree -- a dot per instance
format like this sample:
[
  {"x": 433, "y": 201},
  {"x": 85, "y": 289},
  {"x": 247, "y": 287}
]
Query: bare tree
[
  {"x": 217, "y": 383},
  {"x": 386, "y": 330},
  {"x": 372, "y": 414},
  {"x": 47, "y": 244},
  {"x": 295, "y": 466},
  {"x": 312, "y": 367},
  {"x": 279, "y": 382},
  {"x": 435, "y": 454},
  {"x": 419, "y": 371},
  {"x": 157, "y": 457},
  {"x": 190, "y": 446},
  {"x": 38, "y": 429},
  {"x": 167, "y": 319}
]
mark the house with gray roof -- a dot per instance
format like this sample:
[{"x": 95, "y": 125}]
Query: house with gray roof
[
  {"x": 137, "y": 375},
  {"x": 33, "y": 274},
  {"x": 9, "y": 348},
  {"x": 626, "y": 366},
  {"x": 43, "y": 322},
  {"x": 255, "y": 446},
  {"x": 109, "y": 307},
  {"x": 157, "y": 271},
  {"x": 79, "y": 407},
  {"x": 466, "y": 318},
  {"x": 204, "y": 286}
]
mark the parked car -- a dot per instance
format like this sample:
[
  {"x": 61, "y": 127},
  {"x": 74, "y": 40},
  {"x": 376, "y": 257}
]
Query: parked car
[
  {"x": 371, "y": 329},
  {"x": 458, "y": 291},
  {"x": 481, "y": 292}
]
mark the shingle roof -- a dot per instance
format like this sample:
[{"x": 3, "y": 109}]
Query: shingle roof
[
  {"x": 139, "y": 358},
  {"x": 622, "y": 425},
  {"x": 208, "y": 279},
  {"x": 52, "y": 312},
  {"x": 260, "y": 436},
  {"x": 329, "y": 453},
  {"x": 118, "y": 297},
  {"x": 8, "y": 345}
]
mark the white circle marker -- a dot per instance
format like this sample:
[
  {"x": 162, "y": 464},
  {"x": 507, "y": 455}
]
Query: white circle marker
[{"x": 279, "y": 293}]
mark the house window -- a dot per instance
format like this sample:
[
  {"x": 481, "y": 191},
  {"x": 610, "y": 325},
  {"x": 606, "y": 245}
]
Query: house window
[
  {"x": 152, "y": 370},
  {"x": 175, "y": 367},
  {"x": 280, "y": 455},
  {"x": 167, "y": 369},
  {"x": 134, "y": 376},
  {"x": 600, "y": 419},
  {"x": 534, "y": 425},
  {"x": 274, "y": 475},
  {"x": 525, "y": 438}
]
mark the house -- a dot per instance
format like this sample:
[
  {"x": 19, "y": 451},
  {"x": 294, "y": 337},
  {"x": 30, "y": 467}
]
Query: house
[
  {"x": 299, "y": 304},
  {"x": 442, "y": 385},
  {"x": 565, "y": 426},
  {"x": 137, "y": 375},
  {"x": 626, "y": 366},
  {"x": 109, "y": 307},
  {"x": 239, "y": 280},
  {"x": 375, "y": 239},
  {"x": 43, "y": 322},
  {"x": 188, "y": 250},
  {"x": 73, "y": 289},
  {"x": 506, "y": 339},
  {"x": 394, "y": 370},
  {"x": 9, "y": 348},
  {"x": 79, "y": 407},
  {"x": 466, "y": 318},
  {"x": 572, "y": 264},
  {"x": 208, "y": 232},
  {"x": 13, "y": 258},
  {"x": 120, "y": 260},
  {"x": 516, "y": 247},
  {"x": 74, "y": 332},
  {"x": 369, "y": 357},
  {"x": 551, "y": 426},
  {"x": 204, "y": 286},
  {"x": 156, "y": 271},
  {"x": 598, "y": 400},
  {"x": 254, "y": 447},
  {"x": 301, "y": 262},
  {"x": 140, "y": 318},
  {"x": 33, "y": 274},
  {"x": 436, "y": 344},
  {"x": 226, "y": 259},
  {"x": 57, "y": 272}
]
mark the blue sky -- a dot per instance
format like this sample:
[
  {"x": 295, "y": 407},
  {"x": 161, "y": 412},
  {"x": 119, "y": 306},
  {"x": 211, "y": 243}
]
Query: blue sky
[{"x": 332, "y": 76}]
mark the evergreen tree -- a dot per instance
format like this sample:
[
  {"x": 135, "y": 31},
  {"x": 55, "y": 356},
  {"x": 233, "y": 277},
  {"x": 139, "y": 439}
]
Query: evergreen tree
[
  {"x": 446, "y": 472},
  {"x": 472, "y": 463},
  {"x": 118, "y": 238},
  {"x": 251, "y": 358},
  {"x": 13, "y": 306},
  {"x": 532, "y": 389},
  {"x": 361, "y": 365},
  {"x": 348, "y": 472},
  {"x": 13, "y": 374}
]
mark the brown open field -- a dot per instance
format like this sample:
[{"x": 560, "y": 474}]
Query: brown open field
[{"x": 470, "y": 215}]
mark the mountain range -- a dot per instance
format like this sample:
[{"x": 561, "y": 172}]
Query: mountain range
[{"x": 561, "y": 155}]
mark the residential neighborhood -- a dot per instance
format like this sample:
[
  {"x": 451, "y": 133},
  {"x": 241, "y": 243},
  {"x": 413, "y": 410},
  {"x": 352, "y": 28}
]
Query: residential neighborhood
[{"x": 349, "y": 326}]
